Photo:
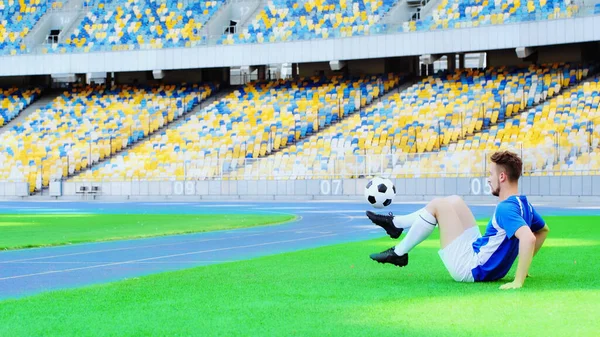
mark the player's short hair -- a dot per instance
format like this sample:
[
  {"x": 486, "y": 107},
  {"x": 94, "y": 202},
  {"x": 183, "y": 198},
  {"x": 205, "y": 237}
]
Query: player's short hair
[{"x": 510, "y": 162}]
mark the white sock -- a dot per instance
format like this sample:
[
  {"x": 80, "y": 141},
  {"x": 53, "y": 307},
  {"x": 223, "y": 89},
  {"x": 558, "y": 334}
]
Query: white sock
[
  {"x": 419, "y": 231},
  {"x": 405, "y": 221}
]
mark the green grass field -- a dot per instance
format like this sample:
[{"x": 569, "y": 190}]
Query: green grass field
[
  {"x": 334, "y": 291},
  {"x": 35, "y": 230}
]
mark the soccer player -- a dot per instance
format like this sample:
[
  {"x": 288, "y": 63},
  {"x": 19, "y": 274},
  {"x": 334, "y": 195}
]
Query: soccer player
[{"x": 515, "y": 229}]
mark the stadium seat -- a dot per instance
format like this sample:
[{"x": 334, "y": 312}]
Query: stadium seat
[
  {"x": 17, "y": 19},
  {"x": 88, "y": 124},
  {"x": 449, "y": 113},
  {"x": 14, "y": 100},
  {"x": 474, "y": 13},
  {"x": 287, "y": 20},
  {"x": 140, "y": 24},
  {"x": 250, "y": 123},
  {"x": 561, "y": 134}
]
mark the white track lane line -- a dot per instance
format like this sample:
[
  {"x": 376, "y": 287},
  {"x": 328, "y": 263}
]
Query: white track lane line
[
  {"x": 174, "y": 243},
  {"x": 161, "y": 257}
]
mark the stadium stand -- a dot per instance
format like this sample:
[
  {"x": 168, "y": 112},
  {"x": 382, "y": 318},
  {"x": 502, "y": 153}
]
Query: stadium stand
[
  {"x": 88, "y": 124},
  {"x": 474, "y": 13},
  {"x": 17, "y": 19},
  {"x": 287, "y": 20},
  {"x": 14, "y": 100},
  {"x": 249, "y": 123},
  {"x": 447, "y": 112},
  {"x": 145, "y": 24},
  {"x": 154, "y": 24},
  {"x": 561, "y": 136}
]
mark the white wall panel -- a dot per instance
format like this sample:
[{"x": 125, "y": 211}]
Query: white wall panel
[
  {"x": 126, "y": 188},
  {"x": 38, "y": 63},
  {"x": 532, "y": 186},
  {"x": 232, "y": 54},
  {"x": 386, "y": 45},
  {"x": 253, "y": 57},
  {"x": 446, "y": 41},
  {"x": 560, "y": 31},
  {"x": 217, "y": 55},
  {"x": 483, "y": 40},
  {"x": 418, "y": 41},
  {"x": 504, "y": 40},
  {"x": 116, "y": 188},
  {"x": 596, "y": 28},
  {"x": 588, "y": 34},
  {"x": 191, "y": 58},
  {"x": 119, "y": 61},
  {"x": 373, "y": 46},
  {"x": 357, "y": 49},
  {"x": 542, "y": 33},
  {"x": 10, "y": 189},
  {"x": 161, "y": 57},
  {"x": 401, "y": 44},
  {"x": 178, "y": 58},
  {"x": 129, "y": 62},
  {"x": 520, "y": 38},
  {"x": 569, "y": 32},
  {"x": 153, "y": 188}
]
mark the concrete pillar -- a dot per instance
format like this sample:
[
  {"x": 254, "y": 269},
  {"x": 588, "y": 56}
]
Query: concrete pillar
[
  {"x": 430, "y": 69},
  {"x": 451, "y": 58},
  {"x": 262, "y": 73},
  {"x": 461, "y": 61},
  {"x": 227, "y": 75},
  {"x": 423, "y": 71}
]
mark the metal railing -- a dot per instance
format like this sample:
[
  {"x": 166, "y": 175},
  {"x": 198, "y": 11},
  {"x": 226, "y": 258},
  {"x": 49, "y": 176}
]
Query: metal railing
[
  {"x": 538, "y": 161},
  {"x": 550, "y": 160}
]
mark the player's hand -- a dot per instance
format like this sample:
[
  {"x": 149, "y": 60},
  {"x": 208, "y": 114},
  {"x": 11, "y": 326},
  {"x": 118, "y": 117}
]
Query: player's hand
[{"x": 511, "y": 285}]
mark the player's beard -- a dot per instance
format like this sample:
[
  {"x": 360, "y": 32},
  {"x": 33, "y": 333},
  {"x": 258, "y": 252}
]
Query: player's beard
[{"x": 496, "y": 192}]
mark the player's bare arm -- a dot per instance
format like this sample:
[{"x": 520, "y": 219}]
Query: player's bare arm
[
  {"x": 540, "y": 237},
  {"x": 527, "y": 245}
]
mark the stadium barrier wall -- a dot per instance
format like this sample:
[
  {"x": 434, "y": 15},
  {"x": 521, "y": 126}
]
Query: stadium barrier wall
[
  {"x": 406, "y": 188},
  {"x": 13, "y": 189},
  {"x": 377, "y": 45}
]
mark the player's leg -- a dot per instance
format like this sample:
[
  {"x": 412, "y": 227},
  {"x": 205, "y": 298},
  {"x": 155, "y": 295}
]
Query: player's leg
[
  {"x": 457, "y": 253},
  {"x": 453, "y": 217},
  {"x": 394, "y": 225},
  {"x": 388, "y": 222},
  {"x": 439, "y": 211},
  {"x": 467, "y": 219}
]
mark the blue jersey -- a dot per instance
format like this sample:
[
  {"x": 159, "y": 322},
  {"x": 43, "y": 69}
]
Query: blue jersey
[{"x": 498, "y": 248}]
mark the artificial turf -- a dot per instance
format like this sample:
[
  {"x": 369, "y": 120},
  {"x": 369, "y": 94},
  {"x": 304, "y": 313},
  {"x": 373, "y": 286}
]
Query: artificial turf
[
  {"x": 35, "y": 230},
  {"x": 334, "y": 291}
]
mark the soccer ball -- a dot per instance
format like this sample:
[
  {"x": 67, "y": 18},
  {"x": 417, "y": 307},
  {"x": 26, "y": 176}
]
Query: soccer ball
[{"x": 380, "y": 192}]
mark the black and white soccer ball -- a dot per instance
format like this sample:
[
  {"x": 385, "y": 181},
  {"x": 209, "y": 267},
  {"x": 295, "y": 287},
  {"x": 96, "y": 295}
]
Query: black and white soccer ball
[{"x": 380, "y": 192}]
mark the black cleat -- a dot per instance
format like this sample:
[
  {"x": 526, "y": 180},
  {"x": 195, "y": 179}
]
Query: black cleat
[
  {"x": 385, "y": 221},
  {"x": 389, "y": 256}
]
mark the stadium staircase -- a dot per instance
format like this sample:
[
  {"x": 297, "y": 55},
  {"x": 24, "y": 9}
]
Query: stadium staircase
[{"x": 251, "y": 17}]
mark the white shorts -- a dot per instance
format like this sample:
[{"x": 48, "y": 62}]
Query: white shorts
[{"x": 459, "y": 256}]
